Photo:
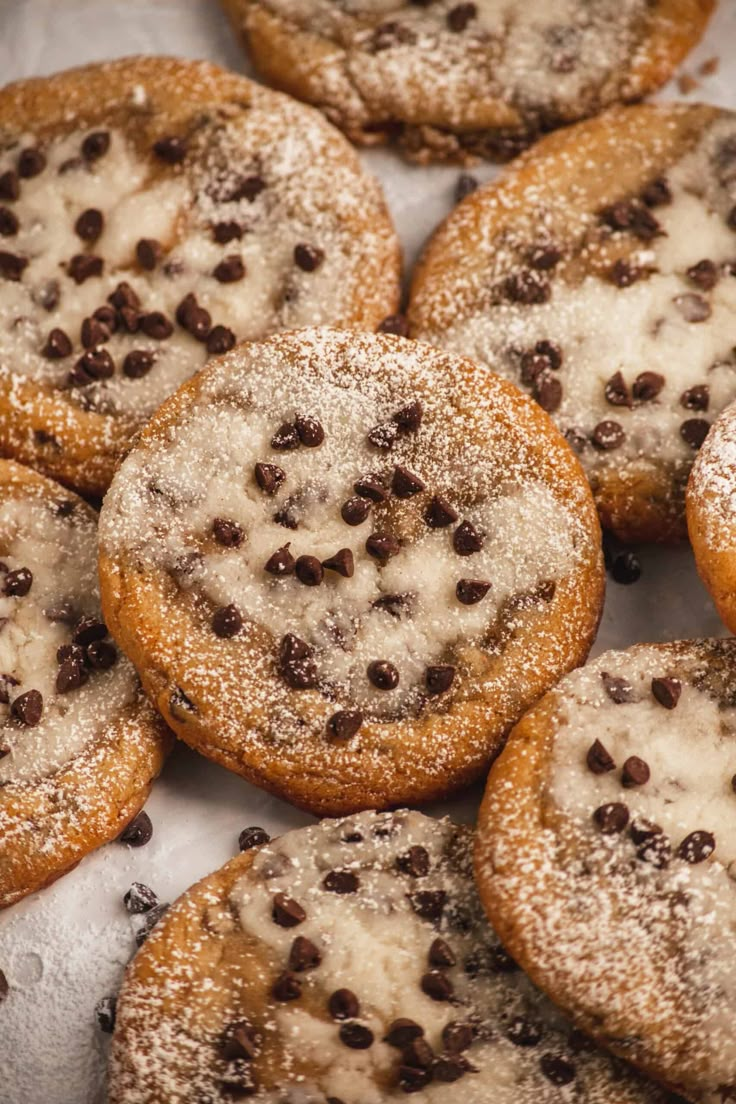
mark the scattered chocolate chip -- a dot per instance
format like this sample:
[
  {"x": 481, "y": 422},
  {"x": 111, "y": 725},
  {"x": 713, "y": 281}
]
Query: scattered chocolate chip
[
  {"x": 9, "y": 224},
  {"x": 241, "y": 1041},
  {"x": 415, "y": 862},
  {"x": 48, "y": 295},
  {"x": 309, "y": 570},
  {"x": 436, "y": 985},
  {"x": 355, "y": 510},
  {"x": 441, "y": 954},
  {"x": 27, "y": 708},
  {"x": 394, "y": 324},
  {"x": 611, "y": 818},
  {"x": 382, "y": 546},
  {"x": 548, "y": 392},
  {"x": 697, "y": 847},
  {"x": 693, "y": 308},
  {"x": 282, "y": 563},
  {"x": 130, "y": 319},
  {"x": 155, "y": 324},
  {"x": 138, "y": 832},
  {"x": 372, "y": 487},
  {"x": 704, "y": 275},
  {"x": 193, "y": 318},
  {"x": 248, "y": 187},
  {"x": 524, "y": 1032},
  {"x": 465, "y": 186},
  {"x": 9, "y": 185},
  {"x": 616, "y": 391},
  {"x": 619, "y": 690},
  {"x": 138, "y": 363},
  {"x": 101, "y": 655},
  {"x": 12, "y": 266},
  {"x": 608, "y": 435},
  {"x": 94, "y": 333},
  {"x": 657, "y": 193},
  {"x": 96, "y": 145},
  {"x": 356, "y": 1036},
  {"x": 95, "y": 364},
  {"x": 457, "y": 1036},
  {"x": 70, "y": 676},
  {"x": 303, "y": 955},
  {"x": 220, "y": 340},
  {"x": 87, "y": 630},
  {"x": 634, "y": 216},
  {"x": 105, "y": 1010},
  {"x": 471, "y": 591},
  {"x": 696, "y": 398},
  {"x": 383, "y": 436},
  {"x": 694, "y": 431},
  {"x": 413, "y": 1078},
  {"x": 286, "y": 987},
  {"x": 404, "y": 484},
  {"x": 139, "y": 899},
  {"x": 461, "y": 15},
  {"x": 253, "y": 837},
  {"x": 308, "y": 257},
  {"x": 286, "y": 912},
  {"x": 402, "y": 1032},
  {"x": 599, "y": 760},
  {"x": 667, "y": 691},
  {"x": 428, "y": 903},
  {"x": 341, "y": 881},
  {"x": 269, "y": 477},
  {"x": 286, "y": 438},
  {"x": 227, "y": 621},
  {"x": 417, "y": 1054},
  {"x": 635, "y": 772},
  {"x": 311, "y": 434},
  {"x": 544, "y": 257},
  {"x": 623, "y": 273},
  {"x": 89, "y": 224},
  {"x": 19, "y": 582},
  {"x": 83, "y": 266},
  {"x": 170, "y": 149},
  {"x": 439, "y": 679},
  {"x": 296, "y": 663},
  {"x": 409, "y": 418},
  {"x": 383, "y": 675},
  {"x": 343, "y": 1005},
  {"x": 557, "y": 1070},
  {"x": 527, "y": 287},
  {"x": 148, "y": 252},
  {"x": 344, "y": 724},
  {"x": 647, "y": 386},
  {"x": 230, "y": 269},
  {"x": 342, "y": 562},
  {"x": 224, "y": 232},
  {"x": 466, "y": 540},
  {"x": 439, "y": 513},
  {"x": 31, "y": 162}
]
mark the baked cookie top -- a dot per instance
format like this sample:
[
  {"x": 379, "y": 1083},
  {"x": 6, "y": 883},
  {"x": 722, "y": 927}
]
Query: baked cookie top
[
  {"x": 152, "y": 212},
  {"x": 450, "y": 79},
  {"x": 345, "y": 563},
  {"x": 65, "y": 690},
  {"x": 606, "y": 856},
  {"x": 598, "y": 274},
  {"x": 348, "y": 961}
]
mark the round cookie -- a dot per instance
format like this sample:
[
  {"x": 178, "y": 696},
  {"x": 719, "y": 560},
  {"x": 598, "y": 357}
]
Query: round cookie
[
  {"x": 606, "y": 856},
  {"x": 710, "y": 514},
  {"x": 456, "y": 80},
  {"x": 79, "y": 744},
  {"x": 598, "y": 274},
  {"x": 344, "y": 565},
  {"x": 347, "y": 962},
  {"x": 152, "y": 212}
]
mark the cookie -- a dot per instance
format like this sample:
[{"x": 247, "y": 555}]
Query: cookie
[
  {"x": 152, "y": 212},
  {"x": 344, "y": 564},
  {"x": 79, "y": 744},
  {"x": 458, "y": 80},
  {"x": 606, "y": 856},
  {"x": 710, "y": 514},
  {"x": 347, "y": 961},
  {"x": 598, "y": 275}
]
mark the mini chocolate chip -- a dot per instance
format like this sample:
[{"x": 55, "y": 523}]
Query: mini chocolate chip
[
  {"x": 465, "y": 185},
  {"x": 697, "y": 847},
  {"x": 342, "y": 562},
  {"x": 286, "y": 438},
  {"x": 89, "y": 629},
  {"x": 148, "y": 252},
  {"x": 269, "y": 477},
  {"x": 394, "y": 324},
  {"x": 101, "y": 655},
  {"x": 124, "y": 296},
  {"x": 653, "y": 846},
  {"x": 341, "y": 881},
  {"x": 461, "y": 15},
  {"x": 611, "y": 818},
  {"x": 608, "y": 435},
  {"x": 303, "y": 955},
  {"x": 105, "y": 1010},
  {"x": 27, "y": 708},
  {"x": 9, "y": 185},
  {"x": 626, "y": 568},
  {"x": 9, "y": 224},
  {"x": 409, "y": 418},
  {"x": 457, "y": 1036},
  {"x": 343, "y": 1005},
  {"x": 193, "y": 318},
  {"x": 95, "y": 364},
  {"x": 527, "y": 287},
  {"x": 355, "y": 510},
  {"x": 344, "y": 724},
  {"x": 130, "y": 319},
  {"x": 139, "y": 899},
  {"x": 557, "y": 1070},
  {"x": 401, "y": 1032},
  {"x": 647, "y": 386},
  {"x": 466, "y": 540},
  {"x": 96, "y": 145},
  {"x": 70, "y": 676},
  {"x": 623, "y": 273},
  {"x": 439, "y": 513},
  {"x": 415, "y": 862},
  {"x": 635, "y": 772},
  {"x": 418, "y": 1054},
  {"x": 311, "y": 433},
  {"x": 108, "y": 316},
  {"x": 286, "y": 987},
  {"x": 58, "y": 345},
  {"x": 220, "y": 340},
  {"x": 138, "y": 832},
  {"x": 428, "y": 903},
  {"x": 436, "y": 985},
  {"x": 356, "y": 1036},
  {"x": 253, "y": 837},
  {"x": 404, "y": 483},
  {"x": 94, "y": 333},
  {"x": 696, "y": 398},
  {"x": 471, "y": 591},
  {"x": 170, "y": 149},
  {"x": 619, "y": 690},
  {"x": 83, "y": 266},
  {"x": 308, "y": 257},
  {"x": 230, "y": 269},
  {"x": 31, "y": 162},
  {"x": 281, "y": 562},
  {"x": 544, "y": 257},
  {"x": 224, "y": 232},
  {"x": 155, "y": 324},
  {"x": 384, "y": 435},
  {"x": 382, "y": 546},
  {"x": 412, "y": 1079},
  {"x": 657, "y": 193},
  {"x": 667, "y": 691},
  {"x": 371, "y": 487},
  {"x": 524, "y": 1032},
  {"x": 227, "y": 621},
  {"x": 296, "y": 663},
  {"x": 309, "y": 570},
  {"x": 286, "y": 912},
  {"x": 248, "y": 187},
  {"x": 89, "y": 224},
  {"x": 616, "y": 391},
  {"x": 441, "y": 954},
  {"x": 241, "y": 1041},
  {"x": 704, "y": 275},
  {"x": 599, "y": 760},
  {"x": 70, "y": 651},
  {"x": 18, "y": 582},
  {"x": 439, "y": 679},
  {"x": 383, "y": 674},
  {"x": 12, "y": 266},
  {"x": 694, "y": 431},
  {"x": 532, "y": 365},
  {"x": 693, "y": 308},
  {"x": 138, "y": 363},
  {"x": 548, "y": 392}
]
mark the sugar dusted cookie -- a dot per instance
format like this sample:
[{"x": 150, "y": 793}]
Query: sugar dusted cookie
[
  {"x": 79, "y": 744},
  {"x": 345, "y": 564},
  {"x": 598, "y": 275},
  {"x": 347, "y": 962},
  {"x": 606, "y": 856},
  {"x": 453, "y": 79},
  {"x": 152, "y": 212}
]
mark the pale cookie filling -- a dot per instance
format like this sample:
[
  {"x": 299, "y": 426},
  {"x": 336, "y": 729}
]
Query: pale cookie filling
[
  {"x": 373, "y": 943},
  {"x": 690, "y": 751},
  {"x": 665, "y": 324},
  {"x": 59, "y": 550},
  {"x": 142, "y": 198},
  {"x": 205, "y": 470}
]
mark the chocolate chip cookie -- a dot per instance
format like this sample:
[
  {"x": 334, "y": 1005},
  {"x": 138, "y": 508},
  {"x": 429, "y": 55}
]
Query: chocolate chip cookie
[
  {"x": 599, "y": 275},
  {"x": 79, "y": 744},
  {"x": 344, "y": 564},
  {"x": 152, "y": 213},
  {"x": 347, "y": 963},
  {"x": 456, "y": 79},
  {"x": 606, "y": 856}
]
